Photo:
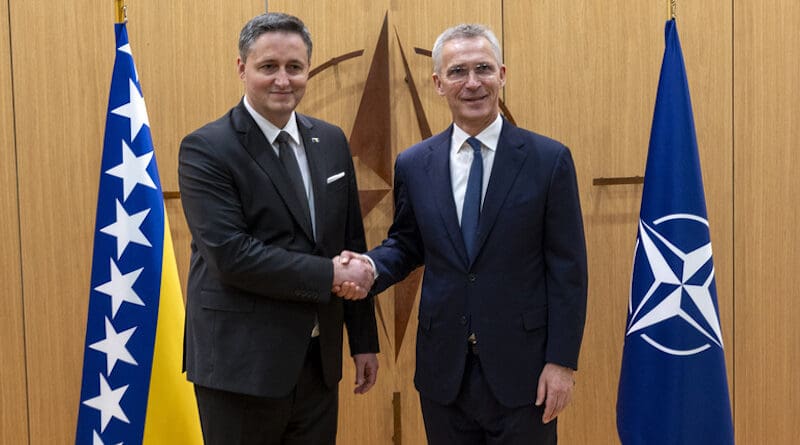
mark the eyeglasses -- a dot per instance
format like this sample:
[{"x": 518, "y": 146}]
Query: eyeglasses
[{"x": 459, "y": 73}]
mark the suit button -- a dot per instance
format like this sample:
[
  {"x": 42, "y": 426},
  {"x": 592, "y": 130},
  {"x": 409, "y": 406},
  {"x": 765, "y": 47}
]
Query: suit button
[
  {"x": 463, "y": 319},
  {"x": 471, "y": 277}
]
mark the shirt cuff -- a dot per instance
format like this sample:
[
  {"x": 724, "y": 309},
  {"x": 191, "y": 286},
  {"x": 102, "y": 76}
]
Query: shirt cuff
[{"x": 374, "y": 269}]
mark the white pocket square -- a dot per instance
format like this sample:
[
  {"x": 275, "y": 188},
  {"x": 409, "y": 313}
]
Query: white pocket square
[{"x": 336, "y": 177}]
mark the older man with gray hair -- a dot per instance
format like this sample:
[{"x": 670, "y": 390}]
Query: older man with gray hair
[{"x": 492, "y": 212}]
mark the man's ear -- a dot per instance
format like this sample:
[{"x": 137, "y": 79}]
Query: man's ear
[
  {"x": 240, "y": 67},
  {"x": 437, "y": 83}
]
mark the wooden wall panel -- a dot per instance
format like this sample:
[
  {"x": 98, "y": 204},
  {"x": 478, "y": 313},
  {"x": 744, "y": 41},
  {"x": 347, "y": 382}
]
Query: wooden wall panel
[
  {"x": 59, "y": 122},
  {"x": 188, "y": 57},
  {"x": 583, "y": 72},
  {"x": 767, "y": 128},
  {"x": 586, "y": 73},
  {"x": 13, "y": 404}
]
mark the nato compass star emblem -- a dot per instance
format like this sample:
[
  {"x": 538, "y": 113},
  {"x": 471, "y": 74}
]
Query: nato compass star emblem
[{"x": 672, "y": 299}]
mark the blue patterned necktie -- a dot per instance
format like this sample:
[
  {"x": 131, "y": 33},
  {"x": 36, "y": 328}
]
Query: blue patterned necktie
[{"x": 471, "y": 212}]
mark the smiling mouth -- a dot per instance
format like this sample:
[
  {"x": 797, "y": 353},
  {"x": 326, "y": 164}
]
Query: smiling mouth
[{"x": 474, "y": 99}]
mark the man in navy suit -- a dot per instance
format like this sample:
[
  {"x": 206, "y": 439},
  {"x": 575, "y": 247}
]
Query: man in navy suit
[
  {"x": 270, "y": 197},
  {"x": 492, "y": 212}
]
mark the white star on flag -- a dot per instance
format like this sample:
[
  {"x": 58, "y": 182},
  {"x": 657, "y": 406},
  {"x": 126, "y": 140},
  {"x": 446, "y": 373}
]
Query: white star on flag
[
  {"x": 96, "y": 440},
  {"x": 114, "y": 345},
  {"x": 134, "y": 110},
  {"x": 126, "y": 229},
  {"x": 126, "y": 48},
  {"x": 120, "y": 289},
  {"x": 133, "y": 170},
  {"x": 108, "y": 403}
]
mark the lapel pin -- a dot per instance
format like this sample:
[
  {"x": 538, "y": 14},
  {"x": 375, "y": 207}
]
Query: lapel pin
[{"x": 315, "y": 140}]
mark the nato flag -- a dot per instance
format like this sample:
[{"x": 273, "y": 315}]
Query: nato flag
[{"x": 673, "y": 387}]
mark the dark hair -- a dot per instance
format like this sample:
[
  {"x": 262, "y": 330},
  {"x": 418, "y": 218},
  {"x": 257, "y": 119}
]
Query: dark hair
[{"x": 271, "y": 22}]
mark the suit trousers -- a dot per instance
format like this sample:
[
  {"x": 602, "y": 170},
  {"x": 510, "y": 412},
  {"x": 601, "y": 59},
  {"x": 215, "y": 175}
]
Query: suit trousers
[
  {"x": 477, "y": 418},
  {"x": 307, "y": 415}
]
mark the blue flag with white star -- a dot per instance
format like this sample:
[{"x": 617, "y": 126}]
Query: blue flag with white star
[
  {"x": 133, "y": 390},
  {"x": 673, "y": 387}
]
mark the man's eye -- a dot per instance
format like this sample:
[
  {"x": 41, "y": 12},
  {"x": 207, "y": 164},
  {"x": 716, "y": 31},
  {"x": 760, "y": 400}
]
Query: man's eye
[
  {"x": 456, "y": 71},
  {"x": 483, "y": 68}
]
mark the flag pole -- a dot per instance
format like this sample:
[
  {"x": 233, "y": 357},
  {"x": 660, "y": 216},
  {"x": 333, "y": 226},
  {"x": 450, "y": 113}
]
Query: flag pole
[
  {"x": 673, "y": 5},
  {"x": 121, "y": 11}
]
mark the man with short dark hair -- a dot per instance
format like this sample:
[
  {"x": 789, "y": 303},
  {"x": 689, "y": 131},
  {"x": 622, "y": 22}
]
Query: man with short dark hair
[{"x": 270, "y": 197}]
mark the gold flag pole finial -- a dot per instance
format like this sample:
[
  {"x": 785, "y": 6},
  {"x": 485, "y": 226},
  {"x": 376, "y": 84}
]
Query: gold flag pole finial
[
  {"x": 121, "y": 11},
  {"x": 673, "y": 5}
]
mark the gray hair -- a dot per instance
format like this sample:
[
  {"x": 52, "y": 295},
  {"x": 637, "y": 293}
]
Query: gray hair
[
  {"x": 465, "y": 31},
  {"x": 271, "y": 22}
]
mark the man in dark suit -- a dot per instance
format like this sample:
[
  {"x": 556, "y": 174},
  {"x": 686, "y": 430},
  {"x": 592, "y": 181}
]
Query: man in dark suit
[
  {"x": 492, "y": 212},
  {"x": 270, "y": 197}
]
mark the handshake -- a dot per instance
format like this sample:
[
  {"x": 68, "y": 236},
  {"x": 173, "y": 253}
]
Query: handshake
[{"x": 353, "y": 275}]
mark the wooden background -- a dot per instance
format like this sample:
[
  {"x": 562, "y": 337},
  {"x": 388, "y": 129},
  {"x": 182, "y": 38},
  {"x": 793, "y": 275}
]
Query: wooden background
[{"x": 584, "y": 72}]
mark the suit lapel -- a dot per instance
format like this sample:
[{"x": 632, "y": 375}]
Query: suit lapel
[
  {"x": 256, "y": 144},
  {"x": 316, "y": 166},
  {"x": 508, "y": 160},
  {"x": 438, "y": 170}
]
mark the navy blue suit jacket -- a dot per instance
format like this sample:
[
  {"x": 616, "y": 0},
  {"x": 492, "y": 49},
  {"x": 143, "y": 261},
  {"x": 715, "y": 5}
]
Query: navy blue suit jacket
[{"x": 524, "y": 294}]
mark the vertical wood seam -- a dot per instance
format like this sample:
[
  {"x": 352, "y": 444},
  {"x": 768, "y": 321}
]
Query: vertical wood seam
[{"x": 14, "y": 143}]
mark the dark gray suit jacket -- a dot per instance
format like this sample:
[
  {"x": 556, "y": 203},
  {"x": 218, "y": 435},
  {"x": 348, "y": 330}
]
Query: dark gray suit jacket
[
  {"x": 524, "y": 294},
  {"x": 258, "y": 276}
]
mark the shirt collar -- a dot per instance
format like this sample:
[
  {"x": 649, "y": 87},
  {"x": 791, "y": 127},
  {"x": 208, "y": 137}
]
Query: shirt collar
[
  {"x": 489, "y": 137},
  {"x": 269, "y": 129}
]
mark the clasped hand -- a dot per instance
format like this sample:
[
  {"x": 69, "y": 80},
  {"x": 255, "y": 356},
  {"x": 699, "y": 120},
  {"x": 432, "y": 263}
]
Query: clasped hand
[{"x": 353, "y": 275}]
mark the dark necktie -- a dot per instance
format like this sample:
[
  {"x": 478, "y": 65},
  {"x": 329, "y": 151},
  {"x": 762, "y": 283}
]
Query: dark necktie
[
  {"x": 289, "y": 161},
  {"x": 471, "y": 212}
]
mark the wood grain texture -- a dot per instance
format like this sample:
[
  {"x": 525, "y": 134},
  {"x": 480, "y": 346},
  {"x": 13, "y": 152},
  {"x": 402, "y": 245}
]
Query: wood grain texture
[
  {"x": 586, "y": 73},
  {"x": 13, "y": 403},
  {"x": 583, "y": 72},
  {"x": 59, "y": 141},
  {"x": 767, "y": 128},
  {"x": 61, "y": 79}
]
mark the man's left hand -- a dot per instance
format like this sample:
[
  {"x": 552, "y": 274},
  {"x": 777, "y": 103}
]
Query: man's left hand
[
  {"x": 555, "y": 390},
  {"x": 366, "y": 371}
]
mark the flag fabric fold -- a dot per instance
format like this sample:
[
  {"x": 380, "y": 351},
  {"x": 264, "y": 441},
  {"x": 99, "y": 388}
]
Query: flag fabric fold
[
  {"x": 133, "y": 390},
  {"x": 673, "y": 385}
]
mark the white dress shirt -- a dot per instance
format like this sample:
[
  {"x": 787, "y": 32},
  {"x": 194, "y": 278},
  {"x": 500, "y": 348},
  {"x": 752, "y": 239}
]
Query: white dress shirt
[
  {"x": 461, "y": 155},
  {"x": 271, "y": 132}
]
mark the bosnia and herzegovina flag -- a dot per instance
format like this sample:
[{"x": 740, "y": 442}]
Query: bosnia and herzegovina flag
[
  {"x": 673, "y": 387},
  {"x": 133, "y": 390}
]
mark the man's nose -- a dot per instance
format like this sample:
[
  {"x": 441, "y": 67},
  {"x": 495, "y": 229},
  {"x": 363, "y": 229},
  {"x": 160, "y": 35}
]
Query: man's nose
[
  {"x": 281, "y": 77},
  {"x": 472, "y": 80}
]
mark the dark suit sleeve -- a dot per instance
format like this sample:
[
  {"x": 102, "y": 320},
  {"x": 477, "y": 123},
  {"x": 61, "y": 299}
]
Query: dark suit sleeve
[
  {"x": 565, "y": 259},
  {"x": 216, "y": 219},
  {"x": 402, "y": 250}
]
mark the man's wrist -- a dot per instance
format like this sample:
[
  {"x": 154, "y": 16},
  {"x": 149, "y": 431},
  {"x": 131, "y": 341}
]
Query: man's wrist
[{"x": 374, "y": 269}]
